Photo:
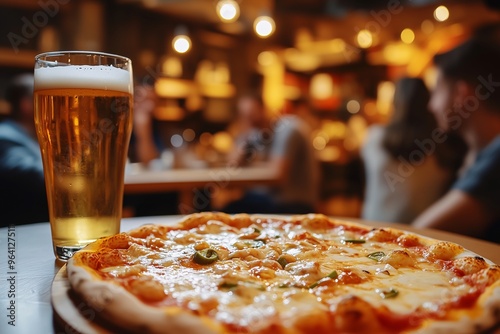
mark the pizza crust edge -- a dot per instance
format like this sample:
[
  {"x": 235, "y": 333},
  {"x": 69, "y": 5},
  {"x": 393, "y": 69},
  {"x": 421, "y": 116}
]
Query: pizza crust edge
[
  {"x": 486, "y": 316},
  {"x": 118, "y": 306}
]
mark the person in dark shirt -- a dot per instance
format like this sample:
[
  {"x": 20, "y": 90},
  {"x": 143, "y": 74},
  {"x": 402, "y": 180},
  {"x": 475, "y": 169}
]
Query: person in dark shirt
[
  {"x": 284, "y": 143},
  {"x": 466, "y": 99},
  {"x": 22, "y": 189}
]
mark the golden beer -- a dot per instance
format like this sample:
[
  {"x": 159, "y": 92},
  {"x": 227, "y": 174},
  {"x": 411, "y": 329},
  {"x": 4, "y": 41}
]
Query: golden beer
[{"x": 84, "y": 134}]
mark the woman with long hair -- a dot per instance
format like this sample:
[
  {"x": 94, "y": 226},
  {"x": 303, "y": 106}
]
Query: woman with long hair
[{"x": 410, "y": 162}]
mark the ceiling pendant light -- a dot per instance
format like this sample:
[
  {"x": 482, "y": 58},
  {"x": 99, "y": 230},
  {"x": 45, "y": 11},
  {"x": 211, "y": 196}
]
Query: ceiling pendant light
[
  {"x": 228, "y": 10},
  {"x": 264, "y": 26},
  {"x": 181, "y": 42}
]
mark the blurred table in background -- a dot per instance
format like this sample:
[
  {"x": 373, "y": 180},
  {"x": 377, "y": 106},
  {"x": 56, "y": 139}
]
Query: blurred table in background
[{"x": 187, "y": 181}]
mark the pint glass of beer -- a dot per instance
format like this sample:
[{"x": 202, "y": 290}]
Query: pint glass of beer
[{"x": 83, "y": 117}]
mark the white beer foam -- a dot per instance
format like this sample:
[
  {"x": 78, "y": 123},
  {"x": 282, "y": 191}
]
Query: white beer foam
[{"x": 84, "y": 76}]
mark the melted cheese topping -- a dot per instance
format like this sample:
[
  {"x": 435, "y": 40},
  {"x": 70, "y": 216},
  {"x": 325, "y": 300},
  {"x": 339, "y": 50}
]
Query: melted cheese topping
[{"x": 275, "y": 272}]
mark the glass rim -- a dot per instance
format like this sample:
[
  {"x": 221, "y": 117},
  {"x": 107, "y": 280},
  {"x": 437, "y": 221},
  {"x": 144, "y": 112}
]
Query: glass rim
[{"x": 81, "y": 52}]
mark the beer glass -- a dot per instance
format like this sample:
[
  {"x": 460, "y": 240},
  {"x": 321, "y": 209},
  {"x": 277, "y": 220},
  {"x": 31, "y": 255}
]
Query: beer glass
[{"x": 83, "y": 117}]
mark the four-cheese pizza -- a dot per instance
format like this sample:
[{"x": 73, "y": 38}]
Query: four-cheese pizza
[{"x": 215, "y": 273}]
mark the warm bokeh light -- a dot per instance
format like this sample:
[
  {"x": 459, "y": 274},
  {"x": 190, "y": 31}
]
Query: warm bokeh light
[
  {"x": 181, "y": 43},
  {"x": 319, "y": 143},
  {"x": 228, "y": 10},
  {"x": 321, "y": 86},
  {"x": 407, "y": 36},
  {"x": 173, "y": 88},
  {"x": 267, "y": 58},
  {"x": 322, "y": 134},
  {"x": 370, "y": 108},
  {"x": 399, "y": 54},
  {"x": 301, "y": 61},
  {"x": 353, "y": 106},
  {"x": 427, "y": 27},
  {"x": 334, "y": 129},
  {"x": 441, "y": 13},
  {"x": 214, "y": 79},
  {"x": 336, "y": 45},
  {"x": 350, "y": 144},
  {"x": 172, "y": 67},
  {"x": 188, "y": 135},
  {"x": 330, "y": 153},
  {"x": 222, "y": 142},
  {"x": 264, "y": 26},
  {"x": 385, "y": 96},
  {"x": 292, "y": 92},
  {"x": 364, "y": 39},
  {"x": 206, "y": 139},
  {"x": 357, "y": 131}
]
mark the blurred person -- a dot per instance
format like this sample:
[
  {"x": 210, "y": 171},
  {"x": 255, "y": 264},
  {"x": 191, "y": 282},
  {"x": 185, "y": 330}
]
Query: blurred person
[
  {"x": 22, "y": 196},
  {"x": 466, "y": 99},
  {"x": 145, "y": 148},
  {"x": 252, "y": 132},
  {"x": 285, "y": 145},
  {"x": 404, "y": 174}
]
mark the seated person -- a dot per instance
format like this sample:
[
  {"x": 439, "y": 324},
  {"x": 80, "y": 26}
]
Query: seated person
[
  {"x": 22, "y": 198},
  {"x": 145, "y": 149},
  {"x": 285, "y": 145},
  {"x": 406, "y": 171},
  {"x": 467, "y": 99},
  {"x": 143, "y": 146}
]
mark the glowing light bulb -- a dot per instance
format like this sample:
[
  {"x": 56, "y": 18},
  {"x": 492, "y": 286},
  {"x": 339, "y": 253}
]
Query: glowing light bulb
[
  {"x": 228, "y": 10},
  {"x": 181, "y": 43},
  {"x": 364, "y": 39},
  {"x": 441, "y": 13},
  {"x": 264, "y": 26}
]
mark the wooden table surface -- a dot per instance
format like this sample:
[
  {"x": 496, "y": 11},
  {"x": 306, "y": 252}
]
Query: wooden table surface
[
  {"x": 149, "y": 181},
  {"x": 34, "y": 268}
]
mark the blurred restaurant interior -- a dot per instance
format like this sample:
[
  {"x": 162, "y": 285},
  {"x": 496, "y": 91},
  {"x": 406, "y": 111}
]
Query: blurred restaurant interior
[{"x": 344, "y": 56}]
